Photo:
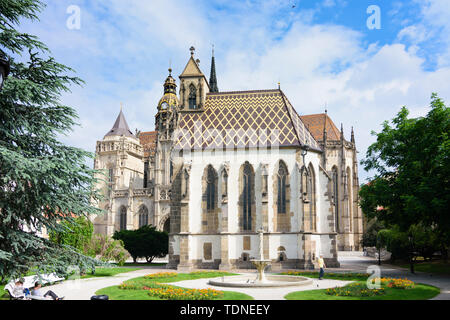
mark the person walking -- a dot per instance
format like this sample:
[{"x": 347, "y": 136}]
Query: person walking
[{"x": 321, "y": 266}]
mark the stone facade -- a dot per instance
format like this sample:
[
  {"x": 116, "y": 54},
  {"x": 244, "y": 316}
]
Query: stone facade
[{"x": 222, "y": 165}]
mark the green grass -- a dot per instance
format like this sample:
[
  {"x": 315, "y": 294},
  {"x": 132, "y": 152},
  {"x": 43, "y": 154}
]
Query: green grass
[
  {"x": 419, "y": 292},
  {"x": 346, "y": 276},
  {"x": 108, "y": 272},
  {"x": 145, "y": 264},
  {"x": 115, "y": 293},
  {"x": 3, "y": 294},
  {"x": 437, "y": 267}
]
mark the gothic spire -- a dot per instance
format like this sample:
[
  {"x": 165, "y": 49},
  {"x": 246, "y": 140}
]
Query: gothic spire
[
  {"x": 353, "y": 137},
  {"x": 212, "y": 77}
]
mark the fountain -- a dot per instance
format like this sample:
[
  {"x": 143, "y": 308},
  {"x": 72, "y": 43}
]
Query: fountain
[
  {"x": 261, "y": 281},
  {"x": 261, "y": 264}
]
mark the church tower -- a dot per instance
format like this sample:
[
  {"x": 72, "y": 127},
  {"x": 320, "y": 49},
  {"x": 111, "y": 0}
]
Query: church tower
[
  {"x": 166, "y": 122},
  {"x": 120, "y": 156},
  {"x": 194, "y": 86}
]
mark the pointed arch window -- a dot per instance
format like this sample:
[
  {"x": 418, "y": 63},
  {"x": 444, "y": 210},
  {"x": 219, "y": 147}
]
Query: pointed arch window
[
  {"x": 143, "y": 216},
  {"x": 211, "y": 189},
  {"x": 247, "y": 197},
  {"x": 335, "y": 197},
  {"x": 281, "y": 199},
  {"x": 311, "y": 190},
  {"x": 123, "y": 218},
  {"x": 192, "y": 97}
]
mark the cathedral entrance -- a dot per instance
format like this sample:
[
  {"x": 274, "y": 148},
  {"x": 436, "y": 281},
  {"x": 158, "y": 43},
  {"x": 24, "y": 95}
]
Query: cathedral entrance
[{"x": 166, "y": 227}]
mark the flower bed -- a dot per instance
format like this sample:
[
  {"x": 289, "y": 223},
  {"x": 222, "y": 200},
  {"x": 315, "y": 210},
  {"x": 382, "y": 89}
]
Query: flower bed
[
  {"x": 160, "y": 275},
  {"x": 128, "y": 286},
  {"x": 173, "y": 293},
  {"x": 355, "y": 290},
  {"x": 395, "y": 283}
]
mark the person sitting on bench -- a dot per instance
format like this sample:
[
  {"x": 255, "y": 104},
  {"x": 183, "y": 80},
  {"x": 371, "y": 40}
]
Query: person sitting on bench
[
  {"x": 18, "y": 290},
  {"x": 38, "y": 292}
]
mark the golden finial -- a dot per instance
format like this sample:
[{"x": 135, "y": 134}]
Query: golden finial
[
  {"x": 279, "y": 85},
  {"x": 121, "y": 106}
]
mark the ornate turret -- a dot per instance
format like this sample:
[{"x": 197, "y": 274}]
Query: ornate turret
[
  {"x": 212, "y": 77},
  {"x": 170, "y": 99}
]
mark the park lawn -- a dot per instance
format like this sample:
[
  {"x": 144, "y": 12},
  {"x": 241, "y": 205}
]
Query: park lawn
[
  {"x": 3, "y": 294},
  {"x": 345, "y": 276},
  {"x": 419, "y": 292},
  {"x": 108, "y": 272},
  {"x": 115, "y": 293},
  {"x": 437, "y": 267},
  {"x": 145, "y": 264}
]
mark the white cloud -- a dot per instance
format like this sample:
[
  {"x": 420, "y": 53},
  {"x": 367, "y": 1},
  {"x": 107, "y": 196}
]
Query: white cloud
[{"x": 124, "y": 47}]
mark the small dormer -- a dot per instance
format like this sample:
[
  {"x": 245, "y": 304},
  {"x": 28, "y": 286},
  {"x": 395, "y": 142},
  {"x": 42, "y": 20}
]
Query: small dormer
[{"x": 193, "y": 87}]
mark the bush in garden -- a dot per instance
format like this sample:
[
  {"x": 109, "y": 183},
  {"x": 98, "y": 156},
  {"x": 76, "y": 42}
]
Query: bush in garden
[
  {"x": 145, "y": 242},
  {"x": 107, "y": 249}
]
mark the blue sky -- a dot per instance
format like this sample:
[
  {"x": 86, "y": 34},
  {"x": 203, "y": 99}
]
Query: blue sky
[{"x": 322, "y": 52}]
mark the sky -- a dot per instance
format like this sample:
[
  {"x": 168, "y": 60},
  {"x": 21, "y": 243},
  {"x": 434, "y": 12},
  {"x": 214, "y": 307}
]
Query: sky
[{"x": 326, "y": 55}]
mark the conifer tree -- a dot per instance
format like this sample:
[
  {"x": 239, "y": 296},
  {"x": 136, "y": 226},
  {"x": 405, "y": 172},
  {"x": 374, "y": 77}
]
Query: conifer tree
[{"x": 42, "y": 181}]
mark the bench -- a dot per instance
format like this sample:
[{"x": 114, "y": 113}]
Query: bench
[{"x": 29, "y": 283}]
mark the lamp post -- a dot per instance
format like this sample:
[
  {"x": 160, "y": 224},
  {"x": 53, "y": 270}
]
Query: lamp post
[
  {"x": 411, "y": 253},
  {"x": 4, "y": 68}
]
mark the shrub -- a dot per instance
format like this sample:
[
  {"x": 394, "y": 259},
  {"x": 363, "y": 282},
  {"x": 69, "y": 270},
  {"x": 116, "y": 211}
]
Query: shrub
[
  {"x": 107, "y": 249},
  {"x": 145, "y": 242}
]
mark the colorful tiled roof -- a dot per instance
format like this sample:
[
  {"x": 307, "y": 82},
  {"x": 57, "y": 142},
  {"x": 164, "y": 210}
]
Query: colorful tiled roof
[
  {"x": 148, "y": 141},
  {"x": 315, "y": 124},
  {"x": 243, "y": 119}
]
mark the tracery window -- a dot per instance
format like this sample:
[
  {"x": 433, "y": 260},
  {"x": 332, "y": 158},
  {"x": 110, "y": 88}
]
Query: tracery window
[
  {"x": 281, "y": 179},
  {"x": 123, "y": 218},
  {"x": 192, "y": 97}
]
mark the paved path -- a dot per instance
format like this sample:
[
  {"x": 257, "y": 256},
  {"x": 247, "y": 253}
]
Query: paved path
[
  {"x": 264, "y": 293},
  {"x": 356, "y": 262},
  {"x": 85, "y": 288}
]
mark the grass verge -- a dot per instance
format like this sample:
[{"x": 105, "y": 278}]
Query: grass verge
[
  {"x": 108, "y": 272},
  {"x": 115, "y": 293},
  {"x": 329, "y": 275},
  {"x": 435, "y": 267},
  {"x": 419, "y": 292}
]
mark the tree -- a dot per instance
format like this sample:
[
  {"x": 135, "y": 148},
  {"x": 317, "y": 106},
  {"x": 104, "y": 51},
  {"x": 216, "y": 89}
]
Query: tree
[
  {"x": 145, "y": 242},
  {"x": 42, "y": 181},
  {"x": 77, "y": 234},
  {"x": 411, "y": 159}
]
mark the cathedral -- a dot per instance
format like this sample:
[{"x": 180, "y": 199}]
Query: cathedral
[{"x": 221, "y": 167}]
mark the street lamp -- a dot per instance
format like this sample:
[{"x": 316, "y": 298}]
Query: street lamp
[
  {"x": 4, "y": 68},
  {"x": 411, "y": 254}
]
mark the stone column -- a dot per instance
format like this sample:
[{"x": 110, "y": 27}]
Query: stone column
[
  {"x": 264, "y": 197},
  {"x": 224, "y": 238},
  {"x": 185, "y": 261}
]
